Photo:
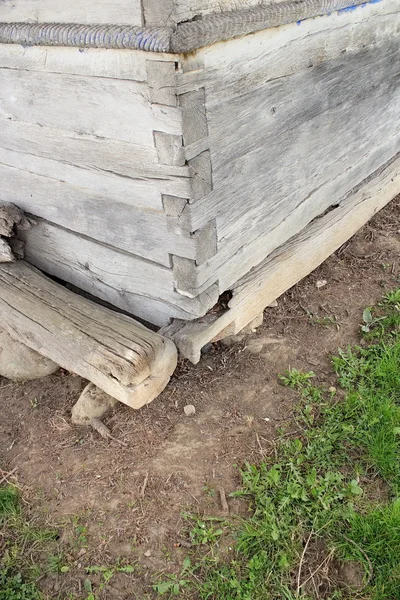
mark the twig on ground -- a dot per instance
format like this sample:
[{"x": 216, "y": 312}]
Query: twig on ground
[
  {"x": 301, "y": 563},
  {"x": 5, "y": 476},
  {"x": 224, "y": 503},
  {"x": 143, "y": 488},
  {"x": 259, "y": 444}
]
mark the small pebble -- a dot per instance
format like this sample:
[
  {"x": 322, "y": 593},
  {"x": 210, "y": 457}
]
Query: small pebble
[
  {"x": 332, "y": 390},
  {"x": 189, "y": 410},
  {"x": 321, "y": 283},
  {"x": 147, "y": 553}
]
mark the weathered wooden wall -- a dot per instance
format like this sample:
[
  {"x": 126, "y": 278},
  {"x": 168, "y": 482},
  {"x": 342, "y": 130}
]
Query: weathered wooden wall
[
  {"x": 293, "y": 118},
  {"x": 91, "y": 142},
  {"x": 159, "y": 180}
]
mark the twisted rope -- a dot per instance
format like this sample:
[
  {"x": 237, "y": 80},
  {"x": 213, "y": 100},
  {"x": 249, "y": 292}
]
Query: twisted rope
[
  {"x": 86, "y": 36},
  {"x": 224, "y": 26},
  {"x": 186, "y": 37}
]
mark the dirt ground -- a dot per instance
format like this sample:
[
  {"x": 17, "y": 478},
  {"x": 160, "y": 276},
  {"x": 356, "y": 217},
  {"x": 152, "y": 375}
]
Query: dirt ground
[{"x": 126, "y": 502}]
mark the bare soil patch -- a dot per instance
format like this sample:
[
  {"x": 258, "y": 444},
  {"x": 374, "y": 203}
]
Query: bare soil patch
[{"x": 126, "y": 502}]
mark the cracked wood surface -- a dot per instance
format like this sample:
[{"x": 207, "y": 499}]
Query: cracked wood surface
[
  {"x": 288, "y": 264},
  {"x": 116, "y": 353},
  {"x": 297, "y": 116}
]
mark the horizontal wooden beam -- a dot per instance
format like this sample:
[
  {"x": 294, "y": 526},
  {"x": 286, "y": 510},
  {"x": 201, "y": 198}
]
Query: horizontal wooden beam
[
  {"x": 287, "y": 265},
  {"x": 119, "y": 355}
]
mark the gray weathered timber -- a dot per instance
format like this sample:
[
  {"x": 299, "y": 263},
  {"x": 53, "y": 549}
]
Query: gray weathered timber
[
  {"x": 176, "y": 11},
  {"x": 90, "y": 62},
  {"x": 112, "y": 108},
  {"x": 73, "y": 11},
  {"x": 143, "y": 176},
  {"x": 107, "y": 129},
  {"x": 291, "y": 262},
  {"x": 12, "y": 219},
  {"x": 278, "y": 160},
  {"x": 250, "y": 62},
  {"x": 164, "y": 178},
  {"x": 139, "y": 287},
  {"x": 30, "y": 182},
  {"x": 113, "y": 351}
]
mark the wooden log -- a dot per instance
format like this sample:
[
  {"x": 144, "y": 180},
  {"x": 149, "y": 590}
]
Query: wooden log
[
  {"x": 139, "y": 287},
  {"x": 120, "y": 356},
  {"x": 290, "y": 263}
]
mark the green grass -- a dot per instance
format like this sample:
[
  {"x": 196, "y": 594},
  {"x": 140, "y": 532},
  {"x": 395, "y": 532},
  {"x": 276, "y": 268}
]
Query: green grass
[
  {"x": 30, "y": 552},
  {"x": 336, "y": 484},
  {"x": 21, "y": 540}
]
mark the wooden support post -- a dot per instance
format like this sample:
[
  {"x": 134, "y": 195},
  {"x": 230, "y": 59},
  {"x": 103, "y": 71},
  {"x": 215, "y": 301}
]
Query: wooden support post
[{"x": 120, "y": 356}]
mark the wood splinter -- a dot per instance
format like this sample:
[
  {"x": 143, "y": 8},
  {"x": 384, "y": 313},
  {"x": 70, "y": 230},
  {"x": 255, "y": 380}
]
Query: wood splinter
[{"x": 12, "y": 219}]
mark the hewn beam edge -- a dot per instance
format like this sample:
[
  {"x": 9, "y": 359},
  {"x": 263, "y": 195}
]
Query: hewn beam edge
[
  {"x": 185, "y": 37},
  {"x": 150, "y": 39},
  {"x": 222, "y": 27}
]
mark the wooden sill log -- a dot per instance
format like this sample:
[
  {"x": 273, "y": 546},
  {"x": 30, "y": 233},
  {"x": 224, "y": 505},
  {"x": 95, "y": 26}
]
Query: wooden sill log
[{"x": 120, "y": 356}]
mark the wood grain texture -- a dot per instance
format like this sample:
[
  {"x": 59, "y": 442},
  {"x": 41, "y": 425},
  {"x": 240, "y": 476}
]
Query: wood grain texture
[
  {"x": 276, "y": 163},
  {"x": 110, "y": 108},
  {"x": 73, "y": 11},
  {"x": 213, "y": 28},
  {"x": 91, "y": 62},
  {"x": 80, "y": 200},
  {"x": 176, "y": 11},
  {"x": 139, "y": 287},
  {"x": 291, "y": 262},
  {"x": 161, "y": 80},
  {"x": 251, "y": 61},
  {"x": 101, "y": 156},
  {"x": 111, "y": 350}
]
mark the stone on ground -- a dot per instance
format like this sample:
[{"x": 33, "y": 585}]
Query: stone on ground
[
  {"x": 20, "y": 363},
  {"x": 92, "y": 403}
]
